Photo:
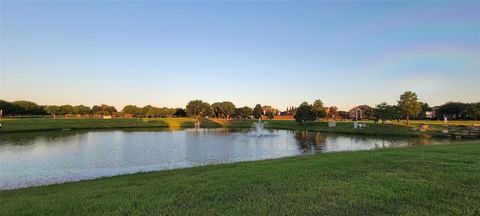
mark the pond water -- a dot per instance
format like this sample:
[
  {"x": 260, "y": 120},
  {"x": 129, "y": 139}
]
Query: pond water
[{"x": 41, "y": 158}]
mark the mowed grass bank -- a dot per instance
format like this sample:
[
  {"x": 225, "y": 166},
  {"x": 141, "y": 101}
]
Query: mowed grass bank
[
  {"x": 421, "y": 180},
  {"x": 39, "y": 124},
  {"x": 346, "y": 127}
]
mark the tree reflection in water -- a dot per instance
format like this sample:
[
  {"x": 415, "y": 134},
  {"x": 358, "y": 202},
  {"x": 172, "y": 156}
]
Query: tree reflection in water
[{"x": 310, "y": 142}]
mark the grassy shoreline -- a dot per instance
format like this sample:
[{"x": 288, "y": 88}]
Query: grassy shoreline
[
  {"x": 49, "y": 124},
  {"x": 443, "y": 179},
  {"x": 393, "y": 129}
]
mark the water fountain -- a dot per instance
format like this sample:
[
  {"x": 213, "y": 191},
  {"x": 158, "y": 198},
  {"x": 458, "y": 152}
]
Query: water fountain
[{"x": 259, "y": 128}]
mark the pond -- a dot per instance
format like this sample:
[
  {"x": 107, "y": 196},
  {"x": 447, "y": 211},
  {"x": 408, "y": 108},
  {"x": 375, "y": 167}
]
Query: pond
[{"x": 41, "y": 158}]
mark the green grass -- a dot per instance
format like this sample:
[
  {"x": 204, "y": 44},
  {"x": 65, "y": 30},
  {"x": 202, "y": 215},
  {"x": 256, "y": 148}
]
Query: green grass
[
  {"x": 420, "y": 180},
  {"x": 393, "y": 129},
  {"x": 346, "y": 127},
  {"x": 41, "y": 124}
]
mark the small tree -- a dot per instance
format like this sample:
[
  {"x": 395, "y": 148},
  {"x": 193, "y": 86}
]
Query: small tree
[
  {"x": 8, "y": 108},
  {"x": 66, "y": 109},
  {"x": 243, "y": 112},
  {"x": 223, "y": 109},
  {"x": 409, "y": 104},
  {"x": 368, "y": 112},
  {"x": 145, "y": 109},
  {"x": 52, "y": 110},
  {"x": 384, "y": 112},
  {"x": 305, "y": 112},
  {"x": 179, "y": 112},
  {"x": 257, "y": 111},
  {"x": 81, "y": 110},
  {"x": 132, "y": 110},
  {"x": 332, "y": 111},
  {"x": 457, "y": 110},
  {"x": 103, "y": 110},
  {"x": 27, "y": 108},
  {"x": 197, "y": 108},
  {"x": 217, "y": 109},
  {"x": 318, "y": 108},
  {"x": 270, "y": 115},
  {"x": 474, "y": 110}
]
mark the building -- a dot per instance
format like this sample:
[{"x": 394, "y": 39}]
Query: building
[
  {"x": 429, "y": 114},
  {"x": 435, "y": 110},
  {"x": 359, "y": 112}
]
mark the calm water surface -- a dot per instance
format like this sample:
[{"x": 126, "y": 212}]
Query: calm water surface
[{"x": 29, "y": 159}]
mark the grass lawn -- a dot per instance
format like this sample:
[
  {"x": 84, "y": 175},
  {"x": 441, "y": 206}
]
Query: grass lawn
[
  {"x": 346, "y": 127},
  {"x": 420, "y": 180},
  {"x": 38, "y": 124}
]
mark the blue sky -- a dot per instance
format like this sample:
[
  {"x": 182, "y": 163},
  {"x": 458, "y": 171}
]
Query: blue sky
[{"x": 276, "y": 53}]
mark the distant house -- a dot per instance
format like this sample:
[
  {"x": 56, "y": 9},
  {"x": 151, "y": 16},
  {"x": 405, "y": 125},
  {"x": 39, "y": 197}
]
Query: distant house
[
  {"x": 278, "y": 117},
  {"x": 429, "y": 114},
  {"x": 285, "y": 117},
  {"x": 435, "y": 110},
  {"x": 358, "y": 112}
]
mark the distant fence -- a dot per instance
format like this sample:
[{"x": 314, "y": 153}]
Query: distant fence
[{"x": 289, "y": 117}]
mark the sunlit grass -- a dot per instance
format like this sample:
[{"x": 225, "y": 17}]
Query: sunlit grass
[
  {"x": 421, "y": 180},
  {"x": 36, "y": 124}
]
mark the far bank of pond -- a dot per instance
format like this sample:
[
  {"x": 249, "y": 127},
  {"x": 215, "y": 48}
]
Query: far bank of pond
[{"x": 393, "y": 129}]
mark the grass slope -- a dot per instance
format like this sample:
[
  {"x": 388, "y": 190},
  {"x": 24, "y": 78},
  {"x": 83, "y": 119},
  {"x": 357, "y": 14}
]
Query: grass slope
[
  {"x": 39, "y": 124},
  {"x": 435, "y": 180},
  {"x": 394, "y": 129}
]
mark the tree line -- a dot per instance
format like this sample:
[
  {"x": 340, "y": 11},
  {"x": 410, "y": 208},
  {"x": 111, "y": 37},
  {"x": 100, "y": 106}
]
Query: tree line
[
  {"x": 225, "y": 109},
  {"x": 408, "y": 107},
  {"x": 19, "y": 108},
  {"x": 195, "y": 108}
]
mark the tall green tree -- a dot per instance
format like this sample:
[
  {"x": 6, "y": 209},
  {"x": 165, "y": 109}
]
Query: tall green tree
[
  {"x": 243, "y": 112},
  {"x": 270, "y": 115},
  {"x": 319, "y": 109},
  {"x": 217, "y": 109},
  {"x": 455, "y": 110},
  {"x": 103, "y": 109},
  {"x": 409, "y": 104},
  {"x": 384, "y": 112},
  {"x": 257, "y": 111},
  {"x": 52, "y": 110},
  {"x": 474, "y": 110},
  {"x": 81, "y": 110},
  {"x": 228, "y": 109},
  {"x": 197, "y": 108},
  {"x": 398, "y": 113},
  {"x": 305, "y": 112},
  {"x": 9, "y": 109},
  {"x": 28, "y": 108},
  {"x": 223, "y": 109},
  {"x": 132, "y": 110},
  {"x": 65, "y": 109},
  {"x": 145, "y": 109},
  {"x": 368, "y": 112},
  {"x": 179, "y": 112}
]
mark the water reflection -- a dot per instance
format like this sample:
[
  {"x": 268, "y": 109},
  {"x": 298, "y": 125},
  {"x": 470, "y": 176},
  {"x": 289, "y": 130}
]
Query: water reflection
[{"x": 39, "y": 158}]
